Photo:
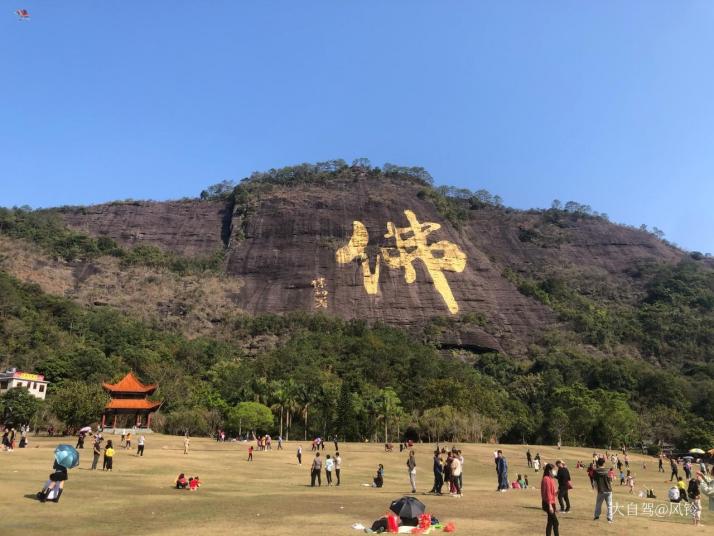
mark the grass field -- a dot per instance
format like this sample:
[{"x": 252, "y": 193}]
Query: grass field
[{"x": 271, "y": 495}]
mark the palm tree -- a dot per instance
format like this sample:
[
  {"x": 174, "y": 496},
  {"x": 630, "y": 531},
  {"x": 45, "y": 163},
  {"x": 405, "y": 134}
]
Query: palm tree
[
  {"x": 261, "y": 388},
  {"x": 388, "y": 405},
  {"x": 292, "y": 404},
  {"x": 279, "y": 394},
  {"x": 305, "y": 398}
]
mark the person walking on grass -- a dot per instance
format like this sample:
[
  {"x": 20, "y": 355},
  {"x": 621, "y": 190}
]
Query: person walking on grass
[
  {"x": 502, "y": 471},
  {"x": 411, "y": 468},
  {"x": 660, "y": 468},
  {"x": 338, "y": 466},
  {"x": 299, "y": 454},
  {"x": 603, "y": 485},
  {"x": 461, "y": 474},
  {"x": 316, "y": 471},
  {"x": 329, "y": 467},
  {"x": 547, "y": 495},
  {"x": 140, "y": 445},
  {"x": 529, "y": 458},
  {"x": 250, "y": 453},
  {"x": 563, "y": 477},
  {"x": 456, "y": 475},
  {"x": 630, "y": 482},
  {"x": 186, "y": 443},
  {"x": 128, "y": 441},
  {"x": 96, "y": 453},
  {"x": 675, "y": 469}
]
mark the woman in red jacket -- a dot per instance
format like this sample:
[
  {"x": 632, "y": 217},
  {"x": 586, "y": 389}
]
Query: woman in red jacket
[{"x": 548, "y": 494}]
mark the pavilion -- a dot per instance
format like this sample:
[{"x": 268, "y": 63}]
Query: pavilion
[{"x": 130, "y": 397}]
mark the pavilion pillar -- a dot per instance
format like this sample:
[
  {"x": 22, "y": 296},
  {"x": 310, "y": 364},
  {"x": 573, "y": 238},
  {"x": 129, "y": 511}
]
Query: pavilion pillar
[
  {"x": 114, "y": 424},
  {"x": 148, "y": 420},
  {"x": 104, "y": 420},
  {"x": 138, "y": 420}
]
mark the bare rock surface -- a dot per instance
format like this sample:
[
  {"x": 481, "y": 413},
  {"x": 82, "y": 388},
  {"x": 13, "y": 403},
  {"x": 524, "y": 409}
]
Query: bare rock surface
[{"x": 291, "y": 237}]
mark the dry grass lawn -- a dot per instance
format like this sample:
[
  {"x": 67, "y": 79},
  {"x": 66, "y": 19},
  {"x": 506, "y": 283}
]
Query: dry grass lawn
[{"x": 271, "y": 495}]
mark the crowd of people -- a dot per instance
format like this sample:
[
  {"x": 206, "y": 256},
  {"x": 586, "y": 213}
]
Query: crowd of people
[
  {"x": 9, "y": 438},
  {"x": 331, "y": 464},
  {"x": 603, "y": 472}
]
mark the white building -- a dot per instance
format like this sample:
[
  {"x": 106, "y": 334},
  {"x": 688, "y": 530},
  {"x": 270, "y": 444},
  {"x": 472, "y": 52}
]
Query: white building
[{"x": 34, "y": 383}]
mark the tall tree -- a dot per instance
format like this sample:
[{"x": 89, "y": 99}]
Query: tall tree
[
  {"x": 388, "y": 406},
  {"x": 18, "y": 406},
  {"x": 78, "y": 404},
  {"x": 347, "y": 426}
]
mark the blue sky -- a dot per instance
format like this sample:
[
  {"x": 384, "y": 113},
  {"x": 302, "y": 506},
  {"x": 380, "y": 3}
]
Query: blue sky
[{"x": 605, "y": 103}]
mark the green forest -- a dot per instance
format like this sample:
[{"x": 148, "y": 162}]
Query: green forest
[{"x": 617, "y": 372}]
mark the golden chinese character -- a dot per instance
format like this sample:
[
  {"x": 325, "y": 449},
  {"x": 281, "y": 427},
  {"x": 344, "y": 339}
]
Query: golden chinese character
[
  {"x": 354, "y": 250},
  {"x": 320, "y": 293},
  {"x": 411, "y": 245}
]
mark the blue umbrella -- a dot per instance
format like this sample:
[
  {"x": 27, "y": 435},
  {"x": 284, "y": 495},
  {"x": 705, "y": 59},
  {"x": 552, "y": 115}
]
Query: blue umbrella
[{"x": 67, "y": 456}]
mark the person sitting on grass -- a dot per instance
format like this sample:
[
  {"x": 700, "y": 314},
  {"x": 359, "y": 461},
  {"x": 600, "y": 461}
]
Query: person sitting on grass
[
  {"x": 682, "y": 485},
  {"x": 673, "y": 494},
  {"x": 194, "y": 483},
  {"x": 181, "y": 482}
]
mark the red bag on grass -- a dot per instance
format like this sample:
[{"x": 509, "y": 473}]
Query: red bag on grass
[
  {"x": 392, "y": 524},
  {"x": 449, "y": 527}
]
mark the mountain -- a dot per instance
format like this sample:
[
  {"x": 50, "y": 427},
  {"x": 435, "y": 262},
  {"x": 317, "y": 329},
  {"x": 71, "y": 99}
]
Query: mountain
[
  {"x": 379, "y": 280},
  {"x": 282, "y": 237}
]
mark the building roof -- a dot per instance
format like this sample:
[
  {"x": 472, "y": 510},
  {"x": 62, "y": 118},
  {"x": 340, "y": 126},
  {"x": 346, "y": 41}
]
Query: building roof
[
  {"x": 136, "y": 404},
  {"x": 13, "y": 373},
  {"x": 129, "y": 384}
]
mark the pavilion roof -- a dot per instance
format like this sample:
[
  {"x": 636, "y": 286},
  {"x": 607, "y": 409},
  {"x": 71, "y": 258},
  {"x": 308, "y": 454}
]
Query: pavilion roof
[
  {"x": 129, "y": 384},
  {"x": 133, "y": 403}
]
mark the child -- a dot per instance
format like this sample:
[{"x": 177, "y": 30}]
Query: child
[
  {"x": 194, "y": 483},
  {"x": 181, "y": 481},
  {"x": 682, "y": 489},
  {"x": 611, "y": 474},
  {"x": 108, "y": 456},
  {"x": 631, "y": 482},
  {"x": 525, "y": 481},
  {"x": 250, "y": 453},
  {"x": 696, "y": 498},
  {"x": 622, "y": 477},
  {"x": 515, "y": 484}
]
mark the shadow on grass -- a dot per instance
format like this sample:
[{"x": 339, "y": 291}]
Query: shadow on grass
[{"x": 32, "y": 496}]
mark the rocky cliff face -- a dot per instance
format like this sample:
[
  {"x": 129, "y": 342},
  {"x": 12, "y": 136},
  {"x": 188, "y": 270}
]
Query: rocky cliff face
[
  {"x": 378, "y": 249},
  {"x": 189, "y": 228}
]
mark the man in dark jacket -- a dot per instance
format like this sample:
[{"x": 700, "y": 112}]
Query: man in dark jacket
[
  {"x": 502, "y": 471},
  {"x": 438, "y": 473},
  {"x": 604, "y": 490},
  {"x": 563, "y": 477}
]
